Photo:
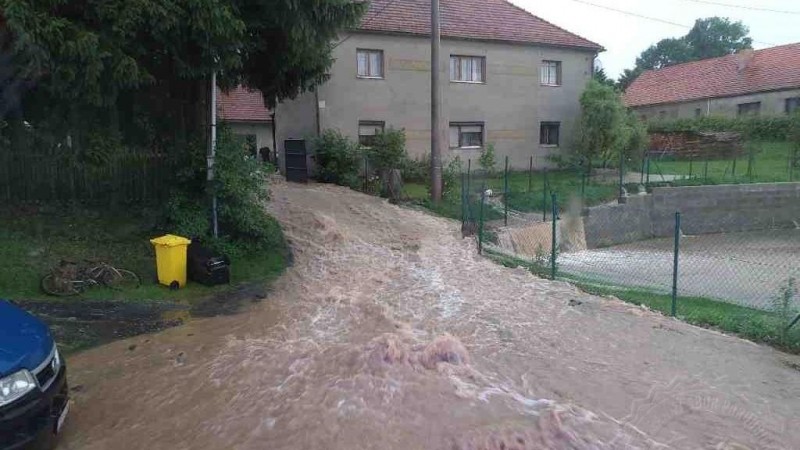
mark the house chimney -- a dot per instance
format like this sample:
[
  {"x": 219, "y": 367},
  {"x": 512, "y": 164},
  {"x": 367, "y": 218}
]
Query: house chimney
[{"x": 744, "y": 58}]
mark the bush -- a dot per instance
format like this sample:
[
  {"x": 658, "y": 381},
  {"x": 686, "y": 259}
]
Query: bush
[
  {"x": 338, "y": 159},
  {"x": 418, "y": 170},
  {"x": 388, "y": 150},
  {"x": 487, "y": 159},
  {"x": 778, "y": 128},
  {"x": 240, "y": 185}
]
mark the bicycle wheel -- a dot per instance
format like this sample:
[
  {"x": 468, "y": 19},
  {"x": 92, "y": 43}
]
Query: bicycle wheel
[
  {"x": 120, "y": 279},
  {"x": 60, "y": 288}
]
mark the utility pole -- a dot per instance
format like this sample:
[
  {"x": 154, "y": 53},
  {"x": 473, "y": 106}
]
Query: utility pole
[
  {"x": 212, "y": 153},
  {"x": 436, "y": 98}
]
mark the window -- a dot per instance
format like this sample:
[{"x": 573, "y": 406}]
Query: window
[
  {"x": 551, "y": 73},
  {"x": 466, "y": 135},
  {"x": 548, "y": 133},
  {"x": 662, "y": 115},
  {"x": 698, "y": 112},
  {"x": 792, "y": 105},
  {"x": 749, "y": 109},
  {"x": 367, "y": 130},
  {"x": 370, "y": 63},
  {"x": 467, "y": 69}
]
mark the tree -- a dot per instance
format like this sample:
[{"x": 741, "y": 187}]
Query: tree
[
  {"x": 716, "y": 36},
  {"x": 601, "y": 77},
  {"x": 603, "y": 117},
  {"x": 709, "y": 38},
  {"x": 141, "y": 67}
]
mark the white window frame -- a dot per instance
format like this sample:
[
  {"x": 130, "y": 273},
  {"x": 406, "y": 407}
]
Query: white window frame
[
  {"x": 542, "y": 128},
  {"x": 370, "y": 73},
  {"x": 377, "y": 126},
  {"x": 459, "y": 130},
  {"x": 549, "y": 71},
  {"x": 457, "y": 65}
]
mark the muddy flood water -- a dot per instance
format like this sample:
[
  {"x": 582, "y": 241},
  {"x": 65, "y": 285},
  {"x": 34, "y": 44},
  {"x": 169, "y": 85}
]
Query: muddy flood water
[{"x": 390, "y": 332}]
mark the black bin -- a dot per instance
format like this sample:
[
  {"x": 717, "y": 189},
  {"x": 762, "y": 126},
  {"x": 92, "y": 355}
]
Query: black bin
[{"x": 205, "y": 267}]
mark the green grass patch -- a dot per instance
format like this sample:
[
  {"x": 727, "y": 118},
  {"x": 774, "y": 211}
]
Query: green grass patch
[
  {"x": 35, "y": 240},
  {"x": 565, "y": 184},
  {"x": 769, "y": 163}
]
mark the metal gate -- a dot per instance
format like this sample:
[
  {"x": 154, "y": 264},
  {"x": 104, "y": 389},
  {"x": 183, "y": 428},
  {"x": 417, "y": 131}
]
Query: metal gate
[{"x": 296, "y": 160}]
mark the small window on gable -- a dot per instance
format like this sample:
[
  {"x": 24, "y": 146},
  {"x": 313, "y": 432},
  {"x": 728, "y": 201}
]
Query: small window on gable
[
  {"x": 550, "y": 73},
  {"x": 466, "y": 134},
  {"x": 792, "y": 105},
  {"x": 367, "y": 130},
  {"x": 370, "y": 63},
  {"x": 467, "y": 69},
  {"x": 549, "y": 133},
  {"x": 749, "y": 109}
]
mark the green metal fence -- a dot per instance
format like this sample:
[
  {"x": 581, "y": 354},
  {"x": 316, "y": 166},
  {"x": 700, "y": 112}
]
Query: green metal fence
[
  {"x": 745, "y": 282},
  {"x": 47, "y": 177}
]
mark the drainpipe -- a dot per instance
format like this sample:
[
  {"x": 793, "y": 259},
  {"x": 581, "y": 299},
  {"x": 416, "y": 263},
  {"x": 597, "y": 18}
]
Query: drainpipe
[
  {"x": 274, "y": 140},
  {"x": 708, "y": 107},
  {"x": 316, "y": 110},
  {"x": 212, "y": 153}
]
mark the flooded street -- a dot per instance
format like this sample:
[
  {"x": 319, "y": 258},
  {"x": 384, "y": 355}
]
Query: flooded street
[{"x": 390, "y": 332}]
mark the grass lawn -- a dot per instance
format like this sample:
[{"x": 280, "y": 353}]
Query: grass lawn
[
  {"x": 754, "y": 324},
  {"x": 770, "y": 163},
  {"x": 33, "y": 240},
  {"x": 565, "y": 184}
]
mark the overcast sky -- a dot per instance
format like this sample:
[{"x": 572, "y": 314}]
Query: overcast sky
[{"x": 625, "y": 36}]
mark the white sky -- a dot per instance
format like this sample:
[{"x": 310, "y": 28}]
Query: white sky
[{"x": 625, "y": 37}]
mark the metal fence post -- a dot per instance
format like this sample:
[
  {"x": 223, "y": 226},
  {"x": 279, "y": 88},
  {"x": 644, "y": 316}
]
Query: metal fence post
[
  {"x": 621, "y": 178},
  {"x": 553, "y": 239},
  {"x": 691, "y": 160},
  {"x": 530, "y": 175},
  {"x": 505, "y": 195},
  {"x": 705, "y": 171},
  {"x": 366, "y": 173},
  {"x": 480, "y": 220},
  {"x": 647, "y": 181},
  {"x": 464, "y": 200},
  {"x": 544, "y": 196},
  {"x": 733, "y": 170},
  {"x": 469, "y": 178},
  {"x": 673, "y": 309}
]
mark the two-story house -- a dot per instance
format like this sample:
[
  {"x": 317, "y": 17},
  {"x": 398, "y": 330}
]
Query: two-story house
[{"x": 508, "y": 78}]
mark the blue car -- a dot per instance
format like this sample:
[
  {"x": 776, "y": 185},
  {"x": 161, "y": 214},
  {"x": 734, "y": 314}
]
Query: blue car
[{"x": 33, "y": 382}]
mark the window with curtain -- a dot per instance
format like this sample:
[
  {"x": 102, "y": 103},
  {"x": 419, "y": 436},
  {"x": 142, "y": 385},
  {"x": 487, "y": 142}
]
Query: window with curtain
[
  {"x": 467, "y": 69},
  {"x": 367, "y": 130},
  {"x": 551, "y": 73},
  {"x": 466, "y": 134},
  {"x": 370, "y": 63}
]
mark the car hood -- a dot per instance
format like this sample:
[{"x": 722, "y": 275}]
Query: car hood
[{"x": 25, "y": 341}]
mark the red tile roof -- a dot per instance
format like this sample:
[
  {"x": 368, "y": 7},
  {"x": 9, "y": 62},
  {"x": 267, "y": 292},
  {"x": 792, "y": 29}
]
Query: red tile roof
[
  {"x": 242, "y": 105},
  {"x": 469, "y": 19},
  {"x": 755, "y": 71}
]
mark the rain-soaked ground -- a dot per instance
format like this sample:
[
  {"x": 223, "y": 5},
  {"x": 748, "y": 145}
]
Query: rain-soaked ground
[
  {"x": 747, "y": 268},
  {"x": 390, "y": 332}
]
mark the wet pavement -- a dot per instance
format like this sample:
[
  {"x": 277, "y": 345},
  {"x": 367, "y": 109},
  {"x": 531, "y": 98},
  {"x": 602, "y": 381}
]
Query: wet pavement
[
  {"x": 747, "y": 268},
  {"x": 390, "y": 332}
]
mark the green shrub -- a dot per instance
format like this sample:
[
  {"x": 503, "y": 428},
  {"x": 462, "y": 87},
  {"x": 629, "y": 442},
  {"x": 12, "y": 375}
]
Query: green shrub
[
  {"x": 416, "y": 170},
  {"x": 487, "y": 159},
  {"x": 338, "y": 159},
  {"x": 388, "y": 150},
  {"x": 777, "y": 128},
  {"x": 240, "y": 185}
]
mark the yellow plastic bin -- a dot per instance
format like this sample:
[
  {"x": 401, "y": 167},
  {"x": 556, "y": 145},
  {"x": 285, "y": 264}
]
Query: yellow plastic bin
[{"x": 171, "y": 259}]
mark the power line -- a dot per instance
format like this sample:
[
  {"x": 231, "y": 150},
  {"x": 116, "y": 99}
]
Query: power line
[
  {"x": 655, "y": 19},
  {"x": 749, "y": 8},
  {"x": 366, "y": 22}
]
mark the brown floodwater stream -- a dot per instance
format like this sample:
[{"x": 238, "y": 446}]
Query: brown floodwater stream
[{"x": 390, "y": 332}]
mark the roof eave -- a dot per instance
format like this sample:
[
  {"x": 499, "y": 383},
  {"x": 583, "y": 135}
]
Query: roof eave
[{"x": 589, "y": 48}]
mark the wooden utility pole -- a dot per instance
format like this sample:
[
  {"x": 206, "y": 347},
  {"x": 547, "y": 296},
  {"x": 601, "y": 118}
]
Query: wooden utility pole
[{"x": 436, "y": 98}]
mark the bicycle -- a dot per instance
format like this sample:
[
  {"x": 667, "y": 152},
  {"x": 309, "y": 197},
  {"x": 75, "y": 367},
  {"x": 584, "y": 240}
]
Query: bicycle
[{"x": 67, "y": 279}]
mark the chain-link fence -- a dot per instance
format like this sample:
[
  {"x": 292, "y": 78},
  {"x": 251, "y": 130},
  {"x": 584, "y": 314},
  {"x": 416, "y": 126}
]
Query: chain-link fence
[{"x": 725, "y": 256}]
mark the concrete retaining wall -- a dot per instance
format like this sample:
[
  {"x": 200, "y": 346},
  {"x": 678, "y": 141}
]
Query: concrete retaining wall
[{"x": 704, "y": 210}]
